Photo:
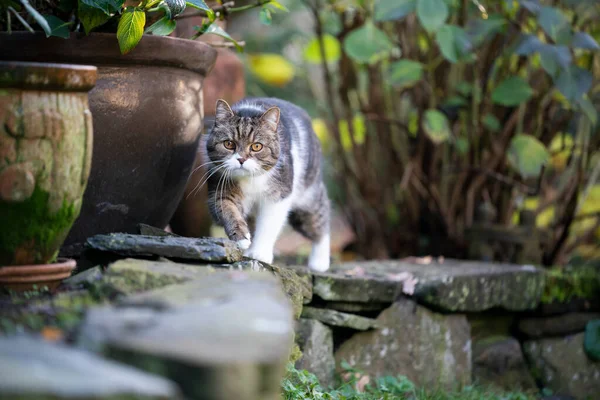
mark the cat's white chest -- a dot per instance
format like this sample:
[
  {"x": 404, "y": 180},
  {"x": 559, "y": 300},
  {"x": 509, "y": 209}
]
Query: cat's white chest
[{"x": 254, "y": 192}]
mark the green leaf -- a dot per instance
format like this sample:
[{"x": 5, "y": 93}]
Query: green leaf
[
  {"x": 533, "y": 6},
  {"x": 162, "y": 27},
  {"x": 91, "y": 17},
  {"x": 390, "y": 10},
  {"x": 574, "y": 82},
  {"x": 432, "y": 14},
  {"x": 201, "y": 5},
  {"x": 479, "y": 30},
  {"x": 130, "y": 29},
  {"x": 217, "y": 30},
  {"x": 436, "y": 126},
  {"x": 528, "y": 44},
  {"x": 464, "y": 88},
  {"x": 277, "y": 5},
  {"x": 527, "y": 155},
  {"x": 59, "y": 28},
  {"x": 491, "y": 123},
  {"x": 367, "y": 44},
  {"x": 265, "y": 16},
  {"x": 587, "y": 107},
  {"x": 554, "y": 58},
  {"x": 461, "y": 145},
  {"x": 41, "y": 21},
  {"x": 555, "y": 24},
  {"x": 455, "y": 101},
  {"x": 582, "y": 40},
  {"x": 512, "y": 92},
  {"x": 333, "y": 50},
  {"x": 453, "y": 42},
  {"x": 406, "y": 73},
  {"x": 591, "y": 340},
  {"x": 107, "y": 6}
]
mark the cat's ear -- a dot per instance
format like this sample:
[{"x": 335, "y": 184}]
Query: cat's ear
[
  {"x": 223, "y": 110},
  {"x": 271, "y": 118}
]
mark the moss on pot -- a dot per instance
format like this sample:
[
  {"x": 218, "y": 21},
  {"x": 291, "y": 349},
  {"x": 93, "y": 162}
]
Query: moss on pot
[{"x": 30, "y": 227}]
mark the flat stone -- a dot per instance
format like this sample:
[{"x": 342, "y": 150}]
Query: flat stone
[
  {"x": 35, "y": 369},
  {"x": 223, "y": 335},
  {"x": 217, "y": 250},
  {"x": 316, "y": 343},
  {"x": 429, "y": 348},
  {"x": 560, "y": 325},
  {"x": 336, "y": 318},
  {"x": 561, "y": 365},
  {"x": 448, "y": 285},
  {"x": 499, "y": 362},
  {"x": 83, "y": 278},
  {"x": 355, "y": 307},
  {"x": 591, "y": 343}
]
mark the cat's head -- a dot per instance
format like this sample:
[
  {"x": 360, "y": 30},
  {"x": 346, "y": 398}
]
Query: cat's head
[{"x": 244, "y": 146}]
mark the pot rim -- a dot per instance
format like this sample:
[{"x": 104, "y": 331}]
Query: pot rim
[
  {"x": 103, "y": 49},
  {"x": 47, "y": 76},
  {"x": 61, "y": 265}
]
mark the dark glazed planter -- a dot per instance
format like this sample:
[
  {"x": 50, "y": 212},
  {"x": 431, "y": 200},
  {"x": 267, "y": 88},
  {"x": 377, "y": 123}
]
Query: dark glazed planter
[{"x": 147, "y": 108}]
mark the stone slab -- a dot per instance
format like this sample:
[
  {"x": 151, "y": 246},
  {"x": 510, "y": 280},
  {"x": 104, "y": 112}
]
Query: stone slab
[
  {"x": 561, "y": 365},
  {"x": 316, "y": 343},
  {"x": 430, "y": 349},
  {"x": 217, "y": 250},
  {"x": 448, "y": 285},
  {"x": 33, "y": 369},
  {"x": 336, "y": 318},
  {"x": 499, "y": 362},
  {"x": 559, "y": 325},
  {"x": 223, "y": 335}
]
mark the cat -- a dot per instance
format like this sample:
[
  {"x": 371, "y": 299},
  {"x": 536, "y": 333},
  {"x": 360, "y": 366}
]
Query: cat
[{"x": 265, "y": 162}]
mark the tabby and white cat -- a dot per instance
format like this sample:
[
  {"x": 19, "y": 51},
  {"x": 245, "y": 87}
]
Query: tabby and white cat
[{"x": 265, "y": 162}]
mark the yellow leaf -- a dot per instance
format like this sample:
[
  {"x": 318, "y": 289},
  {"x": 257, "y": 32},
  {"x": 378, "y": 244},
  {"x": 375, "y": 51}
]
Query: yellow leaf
[
  {"x": 320, "y": 128},
  {"x": 271, "y": 68},
  {"x": 51, "y": 334}
]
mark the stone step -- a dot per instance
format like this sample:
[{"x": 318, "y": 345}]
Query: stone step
[
  {"x": 444, "y": 284},
  {"x": 223, "y": 335},
  {"x": 34, "y": 369}
]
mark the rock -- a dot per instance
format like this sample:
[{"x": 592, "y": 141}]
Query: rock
[
  {"x": 499, "y": 362},
  {"x": 336, "y": 318},
  {"x": 35, "y": 369},
  {"x": 84, "y": 278},
  {"x": 355, "y": 307},
  {"x": 297, "y": 287},
  {"x": 223, "y": 335},
  {"x": 428, "y": 348},
  {"x": 217, "y": 250},
  {"x": 448, "y": 285},
  {"x": 592, "y": 340},
  {"x": 316, "y": 342},
  {"x": 131, "y": 275},
  {"x": 562, "y": 365},
  {"x": 560, "y": 325}
]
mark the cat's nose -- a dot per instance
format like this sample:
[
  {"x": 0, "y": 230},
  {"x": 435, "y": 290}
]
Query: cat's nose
[{"x": 241, "y": 160}]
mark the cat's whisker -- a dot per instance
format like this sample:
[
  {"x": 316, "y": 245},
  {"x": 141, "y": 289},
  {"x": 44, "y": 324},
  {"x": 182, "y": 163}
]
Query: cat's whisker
[
  {"x": 206, "y": 163},
  {"x": 203, "y": 181}
]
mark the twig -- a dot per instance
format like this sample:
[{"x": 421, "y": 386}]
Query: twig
[{"x": 227, "y": 44}]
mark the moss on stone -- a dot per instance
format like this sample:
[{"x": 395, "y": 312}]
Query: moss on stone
[
  {"x": 31, "y": 225},
  {"x": 566, "y": 284}
]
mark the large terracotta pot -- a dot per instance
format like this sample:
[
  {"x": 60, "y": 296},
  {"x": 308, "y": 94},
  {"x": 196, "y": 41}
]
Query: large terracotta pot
[
  {"x": 45, "y": 156},
  {"x": 147, "y": 108}
]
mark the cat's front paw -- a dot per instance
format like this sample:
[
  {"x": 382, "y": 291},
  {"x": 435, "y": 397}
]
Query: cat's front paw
[
  {"x": 260, "y": 255},
  {"x": 244, "y": 244}
]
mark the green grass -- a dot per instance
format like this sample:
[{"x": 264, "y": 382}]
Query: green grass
[{"x": 302, "y": 385}]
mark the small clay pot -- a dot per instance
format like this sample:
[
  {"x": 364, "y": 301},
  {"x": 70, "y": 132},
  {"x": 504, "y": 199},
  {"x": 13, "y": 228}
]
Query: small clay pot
[{"x": 24, "y": 277}]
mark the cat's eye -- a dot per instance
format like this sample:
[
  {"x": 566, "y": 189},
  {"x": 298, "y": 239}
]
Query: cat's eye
[
  {"x": 229, "y": 145},
  {"x": 256, "y": 146}
]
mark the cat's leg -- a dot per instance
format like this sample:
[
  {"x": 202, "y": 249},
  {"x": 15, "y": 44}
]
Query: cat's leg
[
  {"x": 270, "y": 219},
  {"x": 228, "y": 214},
  {"x": 312, "y": 220}
]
